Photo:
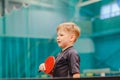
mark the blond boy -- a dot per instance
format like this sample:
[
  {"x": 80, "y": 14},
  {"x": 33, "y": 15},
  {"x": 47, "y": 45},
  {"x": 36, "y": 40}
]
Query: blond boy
[{"x": 68, "y": 61}]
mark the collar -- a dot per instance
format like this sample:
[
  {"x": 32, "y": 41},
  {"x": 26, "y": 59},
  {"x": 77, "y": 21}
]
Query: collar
[{"x": 66, "y": 49}]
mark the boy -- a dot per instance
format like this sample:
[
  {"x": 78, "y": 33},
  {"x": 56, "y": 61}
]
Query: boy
[{"x": 67, "y": 62}]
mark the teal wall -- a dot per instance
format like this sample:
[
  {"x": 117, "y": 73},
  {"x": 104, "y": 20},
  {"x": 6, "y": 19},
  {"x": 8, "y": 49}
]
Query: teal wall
[
  {"x": 20, "y": 57},
  {"x": 35, "y": 21},
  {"x": 1, "y": 25},
  {"x": 27, "y": 38},
  {"x": 87, "y": 61},
  {"x": 107, "y": 52},
  {"x": 106, "y": 36},
  {"x": 110, "y": 24}
]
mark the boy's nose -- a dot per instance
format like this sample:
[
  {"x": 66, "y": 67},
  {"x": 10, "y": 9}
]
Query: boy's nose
[{"x": 58, "y": 38}]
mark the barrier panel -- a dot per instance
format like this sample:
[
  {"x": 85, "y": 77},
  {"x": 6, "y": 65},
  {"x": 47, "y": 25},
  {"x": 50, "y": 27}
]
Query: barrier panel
[{"x": 90, "y": 78}]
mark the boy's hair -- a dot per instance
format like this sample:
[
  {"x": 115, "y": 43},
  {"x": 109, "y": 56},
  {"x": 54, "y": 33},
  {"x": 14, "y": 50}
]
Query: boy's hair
[{"x": 70, "y": 27}]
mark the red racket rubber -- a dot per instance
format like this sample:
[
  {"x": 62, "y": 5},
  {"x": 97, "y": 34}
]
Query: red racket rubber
[{"x": 49, "y": 64}]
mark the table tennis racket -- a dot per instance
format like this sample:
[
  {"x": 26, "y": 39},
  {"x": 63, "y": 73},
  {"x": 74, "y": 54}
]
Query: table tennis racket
[{"x": 49, "y": 64}]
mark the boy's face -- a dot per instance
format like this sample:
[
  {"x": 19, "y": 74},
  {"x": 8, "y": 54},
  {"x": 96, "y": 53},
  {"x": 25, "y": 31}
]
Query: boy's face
[{"x": 63, "y": 38}]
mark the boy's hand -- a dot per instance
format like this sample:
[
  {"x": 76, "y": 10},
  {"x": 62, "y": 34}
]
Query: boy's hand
[
  {"x": 76, "y": 75},
  {"x": 42, "y": 67}
]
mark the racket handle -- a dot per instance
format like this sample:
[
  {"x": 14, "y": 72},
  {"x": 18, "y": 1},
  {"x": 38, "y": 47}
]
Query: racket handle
[{"x": 39, "y": 71}]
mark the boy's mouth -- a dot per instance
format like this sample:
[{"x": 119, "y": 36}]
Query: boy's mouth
[{"x": 58, "y": 41}]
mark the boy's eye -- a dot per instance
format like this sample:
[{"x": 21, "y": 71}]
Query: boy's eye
[{"x": 61, "y": 34}]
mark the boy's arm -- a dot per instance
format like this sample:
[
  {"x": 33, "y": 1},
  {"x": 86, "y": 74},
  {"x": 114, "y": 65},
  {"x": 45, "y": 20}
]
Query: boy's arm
[{"x": 76, "y": 75}]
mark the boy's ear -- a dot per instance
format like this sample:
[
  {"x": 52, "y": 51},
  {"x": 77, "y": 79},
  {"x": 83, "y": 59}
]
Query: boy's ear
[{"x": 73, "y": 37}]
